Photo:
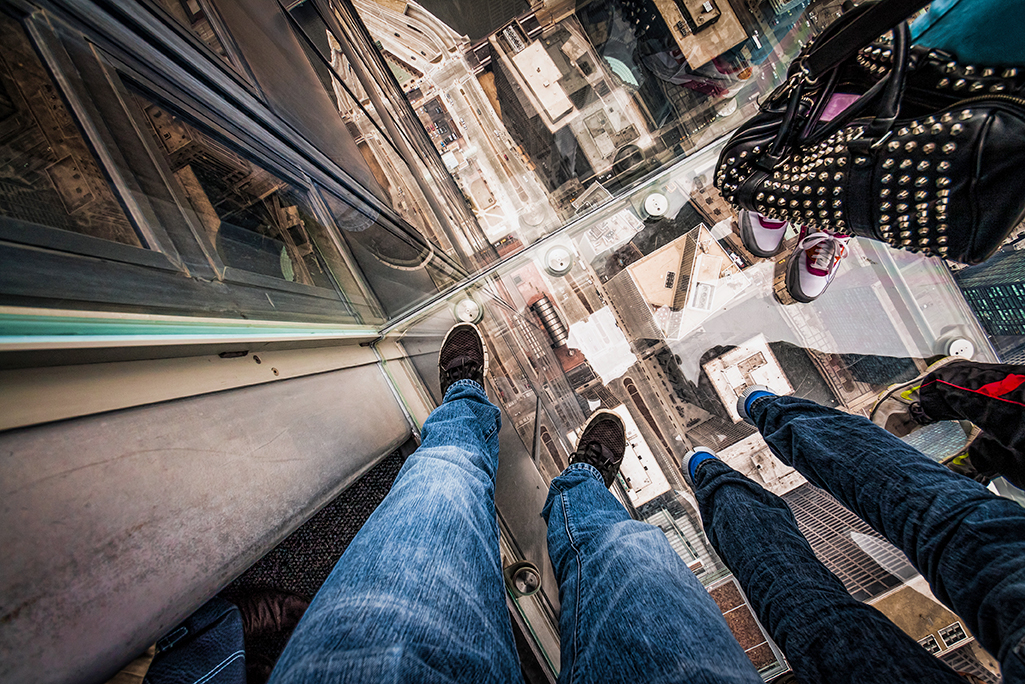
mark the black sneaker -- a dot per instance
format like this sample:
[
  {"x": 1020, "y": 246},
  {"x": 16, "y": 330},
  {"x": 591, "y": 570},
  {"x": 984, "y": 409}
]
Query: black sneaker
[
  {"x": 898, "y": 409},
  {"x": 961, "y": 463},
  {"x": 463, "y": 356},
  {"x": 602, "y": 444}
]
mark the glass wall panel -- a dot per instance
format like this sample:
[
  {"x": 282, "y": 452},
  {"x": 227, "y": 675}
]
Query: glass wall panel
[
  {"x": 257, "y": 222},
  {"x": 545, "y": 115},
  {"x": 544, "y": 111},
  {"x": 195, "y": 15},
  {"x": 401, "y": 267},
  {"x": 89, "y": 153},
  {"x": 48, "y": 175},
  {"x": 410, "y": 172},
  {"x": 995, "y": 291}
]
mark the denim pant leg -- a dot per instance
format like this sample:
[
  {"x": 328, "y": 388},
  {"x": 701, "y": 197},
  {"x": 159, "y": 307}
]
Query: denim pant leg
[
  {"x": 968, "y": 543},
  {"x": 631, "y": 609},
  {"x": 418, "y": 595},
  {"x": 825, "y": 633}
]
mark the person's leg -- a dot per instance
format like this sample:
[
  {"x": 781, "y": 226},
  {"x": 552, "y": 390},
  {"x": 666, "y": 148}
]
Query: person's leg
[
  {"x": 986, "y": 458},
  {"x": 968, "y": 543},
  {"x": 418, "y": 595},
  {"x": 990, "y": 395},
  {"x": 825, "y": 633},
  {"x": 631, "y": 609}
]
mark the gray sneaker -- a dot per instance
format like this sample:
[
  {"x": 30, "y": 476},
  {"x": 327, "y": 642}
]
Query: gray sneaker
[
  {"x": 813, "y": 263},
  {"x": 762, "y": 236},
  {"x": 961, "y": 464},
  {"x": 703, "y": 451},
  {"x": 742, "y": 400},
  {"x": 898, "y": 409}
]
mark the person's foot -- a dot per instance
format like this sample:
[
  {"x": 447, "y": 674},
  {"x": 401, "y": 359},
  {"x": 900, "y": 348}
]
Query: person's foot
[
  {"x": 463, "y": 356},
  {"x": 602, "y": 444},
  {"x": 813, "y": 264},
  {"x": 962, "y": 465},
  {"x": 762, "y": 236},
  {"x": 693, "y": 459},
  {"x": 898, "y": 410},
  {"x": 748, "y": 397}
]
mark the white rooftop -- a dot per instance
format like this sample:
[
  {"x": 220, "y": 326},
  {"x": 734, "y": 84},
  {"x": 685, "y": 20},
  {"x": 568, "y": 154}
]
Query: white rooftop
[
  {"x": 750, "y": 363},
  {"x": 644, "y": 477},
  {"x": 542, "y": 76}
]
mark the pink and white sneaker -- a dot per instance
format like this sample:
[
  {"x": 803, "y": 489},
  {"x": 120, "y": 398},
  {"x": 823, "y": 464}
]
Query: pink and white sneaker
[
  {"x": 762, "y": 236},
  {"x": 813, "y": 264}
]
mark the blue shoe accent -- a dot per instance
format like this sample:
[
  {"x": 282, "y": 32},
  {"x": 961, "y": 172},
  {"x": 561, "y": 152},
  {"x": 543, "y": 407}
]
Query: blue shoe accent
[
  {"x": 749, "y": 396},
  {"x": 755, "y": 395},
  {"x": 693, "y": 459}
]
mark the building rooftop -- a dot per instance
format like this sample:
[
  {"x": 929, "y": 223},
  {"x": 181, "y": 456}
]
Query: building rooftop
[
  {"x": 750, "y": 363},
  {"x": 643, "y": 476},
  {"x": 542, "y": 77}
]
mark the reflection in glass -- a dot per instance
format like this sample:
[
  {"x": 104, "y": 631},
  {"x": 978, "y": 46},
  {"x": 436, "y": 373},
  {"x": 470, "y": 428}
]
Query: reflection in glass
[
  {"x": 569, "y": 127},
  {"x": 540, "y": 120},
  {"x": 665, "y": 318},
  {"x": 257, "y": 222},
  {"x": 391, "y": 246},
  {"x": 408, "y": 173},
  {"x": 193, "y": 15},
  {"x": 48, "y": 176},
  {"x": 400, "y": 267},
  {"x": 995, "y": 290}
]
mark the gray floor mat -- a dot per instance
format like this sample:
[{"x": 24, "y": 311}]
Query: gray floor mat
[{"x": 304, "y": 559}]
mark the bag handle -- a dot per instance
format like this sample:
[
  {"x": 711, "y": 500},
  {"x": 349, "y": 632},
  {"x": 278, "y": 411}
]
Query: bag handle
[
  {"x": 880, "y": 17},
  {"x": 888, "y": 89}
]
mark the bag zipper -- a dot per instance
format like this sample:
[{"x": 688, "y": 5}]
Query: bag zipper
[
  {"x": 1017, "y": 101},
  {"x": 994, "y": 96}
]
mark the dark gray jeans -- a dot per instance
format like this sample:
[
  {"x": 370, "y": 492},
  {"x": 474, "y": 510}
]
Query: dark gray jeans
[{"x": 968, "y": 543}]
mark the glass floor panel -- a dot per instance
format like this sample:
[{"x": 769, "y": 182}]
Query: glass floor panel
[{"x": 666, "y": 319}]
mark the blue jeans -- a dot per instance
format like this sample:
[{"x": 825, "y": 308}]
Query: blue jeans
[
  {"x": 419, "y": 597},
  {"x": 968, "y": 544},
  {"x": 632, "y": 611}
]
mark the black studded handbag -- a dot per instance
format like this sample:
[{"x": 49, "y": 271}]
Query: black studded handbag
[{"x": 874, "y": 138}]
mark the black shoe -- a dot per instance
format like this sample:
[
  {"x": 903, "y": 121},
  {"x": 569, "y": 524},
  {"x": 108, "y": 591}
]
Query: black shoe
[
  {"x": 269, "y": 616},
  {"x": 602, "y": 444},
  {"x": 463, "y": 356},
  {"x": 961, "y": 464},
  {"x": 898, "y": 409}
]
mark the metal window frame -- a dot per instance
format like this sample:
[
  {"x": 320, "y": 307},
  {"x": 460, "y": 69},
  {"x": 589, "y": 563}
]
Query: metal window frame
[
  {"x": 952, "y": 644},
  {"x": 163, "y": 250}
]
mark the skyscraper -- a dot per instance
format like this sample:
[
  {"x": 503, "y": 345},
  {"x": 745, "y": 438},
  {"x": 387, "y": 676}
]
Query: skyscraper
[
  {"x": 831, "y": 530},
  {"x": 996, "y": 292}
]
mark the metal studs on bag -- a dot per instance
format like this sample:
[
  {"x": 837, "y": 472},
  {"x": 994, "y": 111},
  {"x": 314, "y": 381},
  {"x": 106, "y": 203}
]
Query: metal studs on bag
[
  {"x": 938, "y": 69},
  {"x": 913, "y": 206}
]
